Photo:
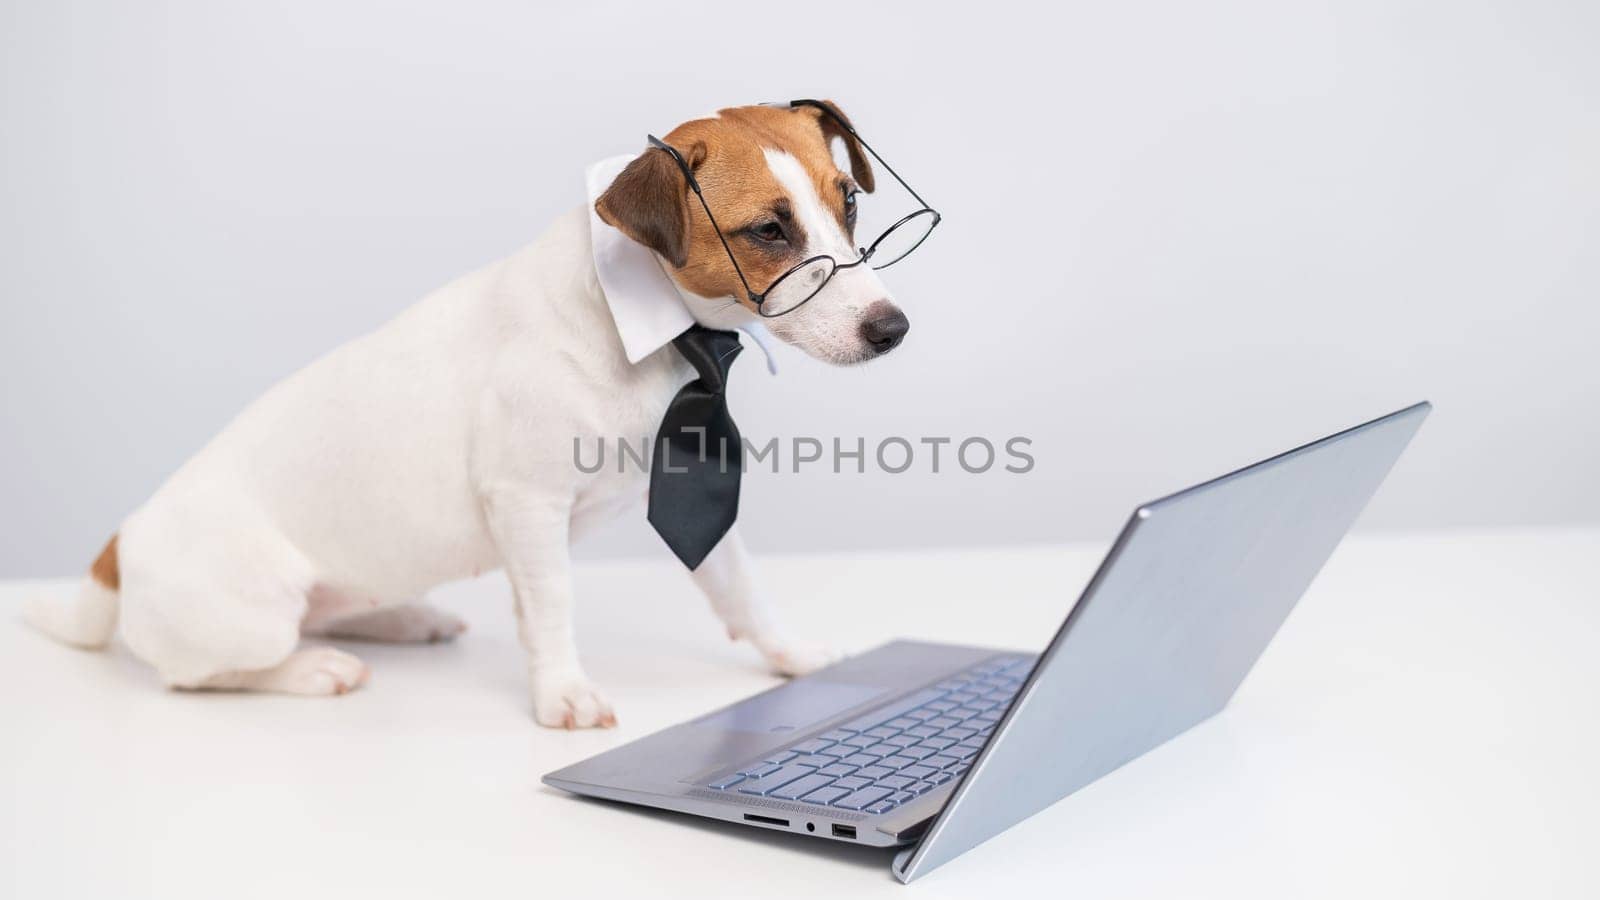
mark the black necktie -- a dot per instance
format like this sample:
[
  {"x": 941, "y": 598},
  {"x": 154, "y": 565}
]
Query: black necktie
[{"x": 695, "y": 466}]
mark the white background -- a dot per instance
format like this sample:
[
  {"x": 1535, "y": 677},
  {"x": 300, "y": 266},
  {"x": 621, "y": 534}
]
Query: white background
[{"x": 1177, "y": 236}]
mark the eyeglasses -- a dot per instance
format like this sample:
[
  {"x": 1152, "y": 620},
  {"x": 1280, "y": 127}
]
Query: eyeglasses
[{"x": 793, "y": 288}]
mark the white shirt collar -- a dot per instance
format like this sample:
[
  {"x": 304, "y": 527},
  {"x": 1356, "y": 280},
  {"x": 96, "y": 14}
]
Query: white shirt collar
[{"x": 645, "y": 303}]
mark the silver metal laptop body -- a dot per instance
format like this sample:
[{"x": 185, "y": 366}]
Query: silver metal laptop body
[{"x": 947, "y": 746}]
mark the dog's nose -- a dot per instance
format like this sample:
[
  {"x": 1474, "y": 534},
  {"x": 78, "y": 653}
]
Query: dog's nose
[{"x": 884, "y": 326}]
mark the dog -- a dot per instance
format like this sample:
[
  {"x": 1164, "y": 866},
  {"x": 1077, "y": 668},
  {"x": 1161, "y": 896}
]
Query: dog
[{"x": 441, "y": 445}]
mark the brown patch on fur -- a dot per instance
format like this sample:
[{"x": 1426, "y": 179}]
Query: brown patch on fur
[
  {"x": 105, "y": 568},
  {"x": 651, "y": 202}
]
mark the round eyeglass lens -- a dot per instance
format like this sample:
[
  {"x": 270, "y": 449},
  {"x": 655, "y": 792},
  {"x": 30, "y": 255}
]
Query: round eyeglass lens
[
  {"x": 801, "y": 284},
  {"x": 904, "y": 237}
]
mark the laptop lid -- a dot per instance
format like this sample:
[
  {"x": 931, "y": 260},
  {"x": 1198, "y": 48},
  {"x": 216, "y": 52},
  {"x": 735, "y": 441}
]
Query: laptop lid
[{"x": 1195, "y": 586}]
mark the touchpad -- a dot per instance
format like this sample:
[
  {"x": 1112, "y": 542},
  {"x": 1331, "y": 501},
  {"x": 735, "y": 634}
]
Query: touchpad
[{"x": 793, "y": 707}]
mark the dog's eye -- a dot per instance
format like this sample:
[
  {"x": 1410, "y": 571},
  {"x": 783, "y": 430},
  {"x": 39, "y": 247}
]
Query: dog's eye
[
  {"x": 849, "y": 204},
  {"x": 770, "y": 232}
]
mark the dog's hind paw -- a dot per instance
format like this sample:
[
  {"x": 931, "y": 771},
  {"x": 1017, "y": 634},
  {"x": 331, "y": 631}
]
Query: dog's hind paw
[
  {"x": 795, "y": 658},
  {"x": 570, "y": 701},
  {"x": 404, "y": 624},
  {"x": 312, "y": 672},
  {"x": 321, "y": 671}
]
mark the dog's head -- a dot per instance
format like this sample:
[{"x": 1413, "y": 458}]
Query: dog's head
[{"x": 770, "y": 179}]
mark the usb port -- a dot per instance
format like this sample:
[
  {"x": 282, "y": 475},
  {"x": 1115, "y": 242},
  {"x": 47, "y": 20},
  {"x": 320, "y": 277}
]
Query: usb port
[{"x": 844, "y": 831}]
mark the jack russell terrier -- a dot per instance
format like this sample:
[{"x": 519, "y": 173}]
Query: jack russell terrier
[{"x": 441, "y": 445}]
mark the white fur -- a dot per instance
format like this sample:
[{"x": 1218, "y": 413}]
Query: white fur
[
  {"x": 829, "y": 325},
  {"x": 436, "y": 448}
]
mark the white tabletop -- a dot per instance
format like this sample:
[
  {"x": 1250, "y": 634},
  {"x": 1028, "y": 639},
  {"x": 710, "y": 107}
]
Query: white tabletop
[{"x": 1427, "y": 723}]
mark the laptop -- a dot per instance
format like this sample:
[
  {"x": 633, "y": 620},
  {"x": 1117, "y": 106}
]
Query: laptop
[{"x": 935, "y": 748}]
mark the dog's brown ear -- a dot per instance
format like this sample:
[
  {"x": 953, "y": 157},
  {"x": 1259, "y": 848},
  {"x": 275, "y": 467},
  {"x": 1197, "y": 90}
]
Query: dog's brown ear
[
  {"x": 649, "y": 202},
  {"x": 860, "y": 168}
]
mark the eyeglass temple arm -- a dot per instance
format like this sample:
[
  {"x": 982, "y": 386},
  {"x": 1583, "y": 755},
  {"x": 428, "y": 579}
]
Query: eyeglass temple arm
[
  {"x": 695, "y": 186},
  {"x": 818, "y": 104}
]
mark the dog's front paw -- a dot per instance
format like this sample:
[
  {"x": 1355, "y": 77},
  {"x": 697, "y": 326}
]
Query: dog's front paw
[
  {"x": 570, "y": 701},
  {"x": 795, "y": 658}
]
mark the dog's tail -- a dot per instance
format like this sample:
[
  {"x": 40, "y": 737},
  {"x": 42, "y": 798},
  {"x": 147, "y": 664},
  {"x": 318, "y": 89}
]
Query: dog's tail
[{"x": 88, "y": 619}]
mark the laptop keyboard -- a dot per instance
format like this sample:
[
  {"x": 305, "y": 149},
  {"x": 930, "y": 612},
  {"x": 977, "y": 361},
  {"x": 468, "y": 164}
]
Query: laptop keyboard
[{"x": 896, "y": 752}]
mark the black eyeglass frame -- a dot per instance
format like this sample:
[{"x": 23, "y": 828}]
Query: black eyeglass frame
[{"x": 866, "y": 253}]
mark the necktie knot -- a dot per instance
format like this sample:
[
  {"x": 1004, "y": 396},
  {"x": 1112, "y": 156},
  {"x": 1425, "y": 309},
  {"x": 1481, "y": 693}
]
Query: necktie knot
[{"x": 711, "y": 352}]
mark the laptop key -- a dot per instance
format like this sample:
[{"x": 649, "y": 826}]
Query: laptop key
[
  {"x": 875, "y": 772},
  {"x": 962, "y": 753},
  {"x": 782, "y": 756},
  {"x": 837, "y": 750},
  {"x": 725, "y": 782},
  {"x": 882, "y": 732},
  {"x": 904, "y": 740},
  {"x": 860, "y": 741},
  {"x": 918, "y": 752},
  {"x": 901, "y": 797},
  {"x": 941, "y": 761},
  {"x": 825, "y": 795},
  {"x": 834, "y": 737},
  {"x": 883, "y": 749},
  {"x": 812, "y": 746},
  {"x": 863, "y": 798},
  {"x": 853, "y": 783},
  {"x": 882, "y": 806},
  {"x": 897, "y": 761},
  {"x": 860, "y": 759},
  {"x": 900, "y": 724},
  {"x": 939, "y": 778},
  {"x": 815, "y": 762},
  {"x": 922, "y": 731},
  {"x": 918, "y": 771},
  {"x": 922, "y": 714},
  {"x": 944, "y": 722},
  {"x": 798, "y": 788},
  {"x": 773, "y": 780},
  {"x": 759, "y": 769},
  {"x": 942, "y": 705},
  {"x": 921, "y": 787},
  {"x": 896, "y": 782},
  {"x": 884, "y": 713},
  {"x": 1020, "y": 668},
  {"x": 959, "y": 734},
  {"x": 938, "y": 743},
  {"x": 837, "y": 770}
]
